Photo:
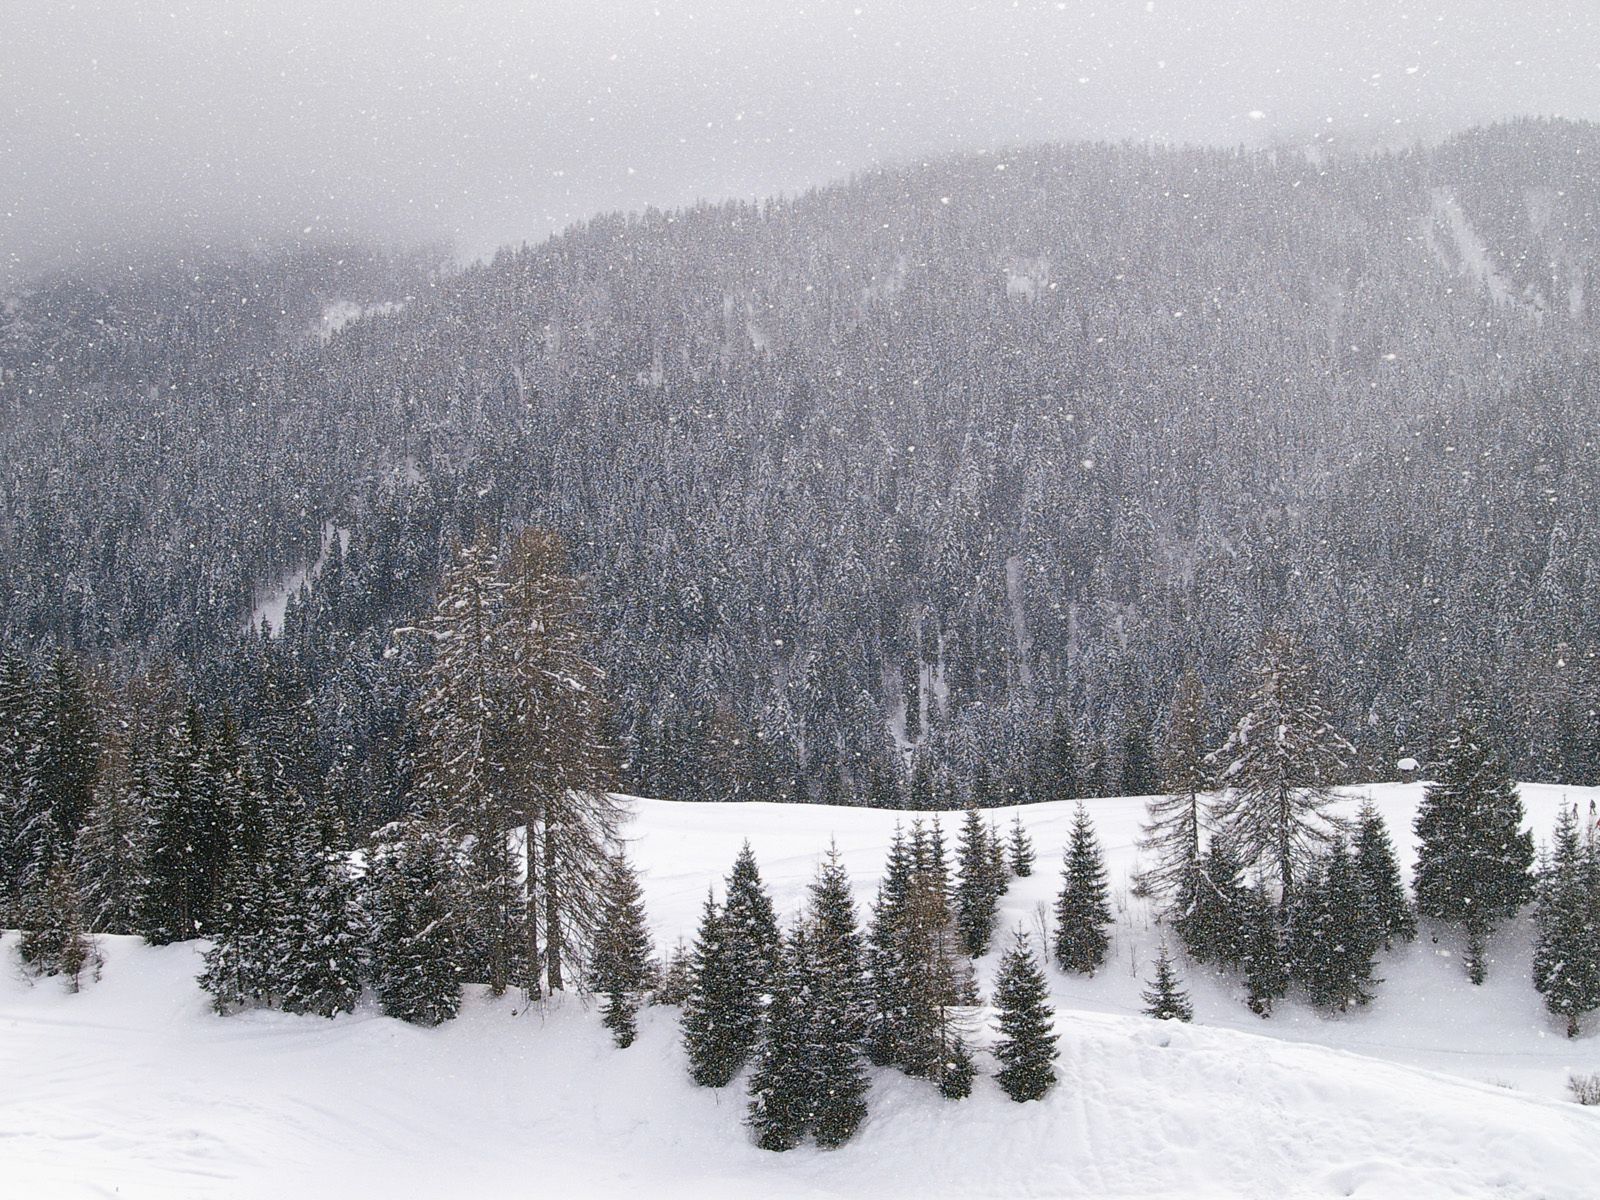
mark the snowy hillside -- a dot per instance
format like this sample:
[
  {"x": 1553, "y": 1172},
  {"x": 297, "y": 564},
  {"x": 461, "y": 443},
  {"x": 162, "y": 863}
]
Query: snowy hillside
[{"x": 134, "y": 1088}]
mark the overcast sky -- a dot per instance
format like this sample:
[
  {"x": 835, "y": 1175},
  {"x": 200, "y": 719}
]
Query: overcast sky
[{"x": 487, "y": 122}]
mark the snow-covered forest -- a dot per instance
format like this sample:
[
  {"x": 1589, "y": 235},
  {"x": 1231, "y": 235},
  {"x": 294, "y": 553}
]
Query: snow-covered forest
[{"x": 943, "y": 682}]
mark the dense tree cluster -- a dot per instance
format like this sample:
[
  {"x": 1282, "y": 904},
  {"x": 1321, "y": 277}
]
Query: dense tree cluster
[{"x": 925, "y": 486}]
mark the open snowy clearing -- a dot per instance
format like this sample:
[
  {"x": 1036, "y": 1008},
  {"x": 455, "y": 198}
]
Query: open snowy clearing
[{"x": 134, "y": 1088}]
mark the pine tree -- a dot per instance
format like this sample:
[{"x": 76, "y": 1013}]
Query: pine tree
[
  {"x": 459, "y": 718},
  {"x": 1566, "y": 958},
  {"x": 721, "y": 1018},
  {"x": 1164, "y": 998},
  {"x": 674, "y": 976},
  {"x": 1082, "y": 908},
  {"x": 886, "y": 971},
  {"x": 1026, "y": 1047},
  {"x": 837, "y": 1081},
  {"x": 1212, "y": 925},
  {"x": 958, "y": 1070},
  {"x": 320, "y": 971},
  {"x": 976, "y": 895},
  {"x": 750, "y": 928},
  {"x": 1056, "y": 775},
  {"x": 55, "y": 939},
  {"x": 836, "y": 944},
  {"x": 1380, "y": 871},
  {"x": 413, "y": 899},
  {"x": 187, "y": 847},
  {"x": 1336, "y": 934},
  {"x": 1265, "y": 959},
  {"x": 1021, "y": 849},
  {"x": 621, "y": 970},
  {"x": 931, "y": 979},
  {"x": 1171, "y": 833},
  {"x": 1473, "y": 859},
  {"x": 1280, "y": 765},
  {"x": 781, "y": 1092},
  {"x": 111, "y": 847}
]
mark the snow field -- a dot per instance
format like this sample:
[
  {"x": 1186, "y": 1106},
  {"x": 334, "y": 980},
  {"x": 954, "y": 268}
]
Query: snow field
[{"x": 134, "y": 1088}]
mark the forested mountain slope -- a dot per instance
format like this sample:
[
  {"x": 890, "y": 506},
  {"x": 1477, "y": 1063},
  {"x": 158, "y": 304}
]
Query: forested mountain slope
[{"x": 956, "y": 463}]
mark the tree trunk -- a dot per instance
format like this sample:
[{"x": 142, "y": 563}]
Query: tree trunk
[
  {"x": 530, "y": 850},
  {"x": 552, "y": 910}
]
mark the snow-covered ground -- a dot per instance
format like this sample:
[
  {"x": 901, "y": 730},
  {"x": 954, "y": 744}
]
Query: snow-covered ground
[{"x": 133, "y": 1088}]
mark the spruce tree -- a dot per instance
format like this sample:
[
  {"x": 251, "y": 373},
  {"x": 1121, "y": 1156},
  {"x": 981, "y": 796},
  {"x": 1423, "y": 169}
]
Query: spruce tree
[
  {"x": 111, "y": 847},
  {"x": 1380, "y": 872},
  {"x": 1212, "y": 925},
  {"x": 1279, "y": 766},
  {"x": 1173, "y": 825},
  {"x": 320, "y": 970},
  {"x": 1021, "y": 847},
  {"x": 1082, "y": 908},
  {"x": 1026, "y": 1047},
  {"x": 1164, "y": 998},
  {"x": 781, "y": 1085},
  {"x": 837, "y": 1081},
  {"x": 620, "y": 971},
  {"x": 722, "y": 1017},
  {"x": 976, "y": 895},
  {"x": 1265, "y": 959},
  {"x": 675, "y": 976},
  {"x": 932, "y": 979},
  {"x": 885, "y": 969},
  {"x": 836, "y": 943},
  {"x": 749, "y": 924},
  {"x": 1473, "y": 859},
  {"x": 414, "y": 892},
  {"x": 187, "y": 846},
  {"x": 1566, "y": 958},
  {"x": 55, "y": 939},
  {"x": 1336, "y": 934}
]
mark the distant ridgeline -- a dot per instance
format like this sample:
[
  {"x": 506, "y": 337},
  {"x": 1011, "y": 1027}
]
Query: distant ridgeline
[{"x": 915, "y": 489}]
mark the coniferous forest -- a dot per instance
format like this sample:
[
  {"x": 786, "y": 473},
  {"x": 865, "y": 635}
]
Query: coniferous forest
[{"x": 1219, "y": 479}]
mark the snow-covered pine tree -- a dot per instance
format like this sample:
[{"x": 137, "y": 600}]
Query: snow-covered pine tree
[
  {"x": 18, "y": 734},
  {"x": 320, "y": 971},
  {"x": 413, "y": 896},
  {"x": 1021, "y": 849},
  {"x": 553, "y": 758},
  {"x": 1026, "y": 1047},
  {"x": 958, "y": 1069},
  {"x": 1380, "y": 871},
  {"x": 1212, "y": 926},
  {"x": 721, "y": 1018},
  {"x": 111, "y": 846},
  {"x": 1265, "y": 959},
  {"x": 933, "y": 979},
  {"x": 885, "y": 970},
  {"x": 837, "y": 1085},
  {"x": 55, "y": 939},
  {"x": 674, "y": 976},
  {"x": 1164, "y": 997},
  {"x": 460, "y": 716},
  {"x": 1566, "y": 956},
  {"x": 187, "y": 846},
  {"x": 1336, "y": 933},
  {"x": 999, "y": 866},
  {"x": 251, "y": 905},
  {"x": 782, "y": 1083},
  {"x": 750, "y": 926},
  {"x": 836, "y": 943},
  {"x": 1082, "y": 908},
  {"x": 621, "y": 970},
  {"x": 1173, "y": 824},
  {"x": 1279, "y": 767},
  {"x": 976, "y": 896},
  {"x": 1473, "y": 858}
]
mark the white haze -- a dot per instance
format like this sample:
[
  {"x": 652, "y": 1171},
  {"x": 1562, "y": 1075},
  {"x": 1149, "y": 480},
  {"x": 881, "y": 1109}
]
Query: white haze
[{"x": 126, "y": 123}]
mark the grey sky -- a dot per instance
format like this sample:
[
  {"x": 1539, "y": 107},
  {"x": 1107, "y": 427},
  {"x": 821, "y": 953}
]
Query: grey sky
[{"x": 492, "y": 121}]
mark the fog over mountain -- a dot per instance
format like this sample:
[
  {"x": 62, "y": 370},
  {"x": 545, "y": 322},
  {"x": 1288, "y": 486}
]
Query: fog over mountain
[{"x": 126, "y": 124}]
